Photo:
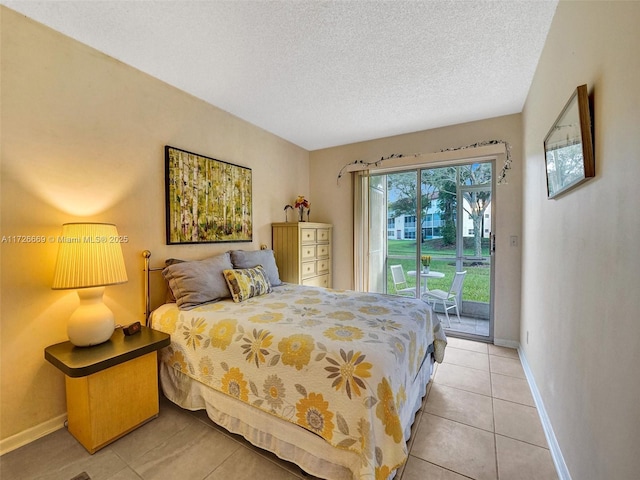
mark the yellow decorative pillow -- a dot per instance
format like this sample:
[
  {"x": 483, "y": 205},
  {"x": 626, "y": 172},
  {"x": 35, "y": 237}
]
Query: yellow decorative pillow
[{"x": 245, "y": 283}]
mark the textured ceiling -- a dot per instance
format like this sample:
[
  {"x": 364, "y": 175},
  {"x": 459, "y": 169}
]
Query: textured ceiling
[{"x": 324, "y": 73}]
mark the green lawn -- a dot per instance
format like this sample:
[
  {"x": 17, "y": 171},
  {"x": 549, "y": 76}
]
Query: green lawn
[
  {"x": 476, "y": 283},
  {"x": 434, "y": 247}
]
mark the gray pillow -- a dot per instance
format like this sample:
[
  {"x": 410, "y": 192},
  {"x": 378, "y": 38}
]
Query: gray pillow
[
  {"x": 197, "y": 282},
  {"x": 171, "y": 298},
  {"x": 253, "y": 258}
]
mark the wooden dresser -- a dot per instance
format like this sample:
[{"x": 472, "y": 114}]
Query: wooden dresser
[{"x": 303, "y": 252}]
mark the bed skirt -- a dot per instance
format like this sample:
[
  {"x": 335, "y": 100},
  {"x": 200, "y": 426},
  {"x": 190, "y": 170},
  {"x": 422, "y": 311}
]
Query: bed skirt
[{"x": 286, "y": 440}]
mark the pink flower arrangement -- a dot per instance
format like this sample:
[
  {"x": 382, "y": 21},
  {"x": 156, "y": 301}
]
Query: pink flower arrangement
[{"x": 301, "y": 203}]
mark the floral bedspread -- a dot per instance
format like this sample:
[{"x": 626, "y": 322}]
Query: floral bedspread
[{"x": 338, "y": 363}]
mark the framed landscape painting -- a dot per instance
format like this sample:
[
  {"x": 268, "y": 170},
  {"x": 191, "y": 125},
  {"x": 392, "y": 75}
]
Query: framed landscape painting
[
  {"x": 207, "y": 200},
  {"x": 568, "y": 147}
]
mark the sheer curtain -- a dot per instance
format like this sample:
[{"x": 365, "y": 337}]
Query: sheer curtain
[
  {"x": 361, "y": 230},
  {"x": 370, "y": 230}
]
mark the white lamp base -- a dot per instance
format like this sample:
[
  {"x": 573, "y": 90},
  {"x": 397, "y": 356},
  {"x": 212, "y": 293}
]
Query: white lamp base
[{"x": 92, "y": 322}]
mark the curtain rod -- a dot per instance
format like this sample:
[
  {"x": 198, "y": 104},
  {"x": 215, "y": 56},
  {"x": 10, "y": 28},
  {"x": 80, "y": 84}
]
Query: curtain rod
[{"x": 364, "y": 165}]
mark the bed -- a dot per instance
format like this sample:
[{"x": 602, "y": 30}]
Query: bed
[{"x": 327, "y": 379}]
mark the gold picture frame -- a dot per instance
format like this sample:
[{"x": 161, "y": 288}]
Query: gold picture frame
[
  {"x": 207, "y": 200},
  {"x": 568, "y": 147}
]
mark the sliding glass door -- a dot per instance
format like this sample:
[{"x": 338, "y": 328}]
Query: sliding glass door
[{"x": 429, "y": 227}]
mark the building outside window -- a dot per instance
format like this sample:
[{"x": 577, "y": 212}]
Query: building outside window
[{"x": 404, "y": 226}]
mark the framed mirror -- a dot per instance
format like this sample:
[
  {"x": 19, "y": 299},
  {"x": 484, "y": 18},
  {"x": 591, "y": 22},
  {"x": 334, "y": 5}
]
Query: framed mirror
[{"x": 568, "y": 147}]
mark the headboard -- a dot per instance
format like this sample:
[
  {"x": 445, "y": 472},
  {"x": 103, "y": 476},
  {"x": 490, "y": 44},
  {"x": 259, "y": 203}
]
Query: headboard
[
  {"x": 148, "y": 297},
  {"x": 147, "y": 288}
]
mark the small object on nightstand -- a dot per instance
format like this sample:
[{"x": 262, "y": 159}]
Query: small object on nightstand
[{"x": 131, "y": 329}]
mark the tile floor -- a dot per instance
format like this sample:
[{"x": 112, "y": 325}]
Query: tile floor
[{"x": 478, "y": 422}]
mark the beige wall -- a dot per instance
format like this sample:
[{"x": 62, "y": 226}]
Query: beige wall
[
  {"x": 581, "y": 262},
  {"x": 83, "y": 138},
  {"x": 332, "y": 201}
]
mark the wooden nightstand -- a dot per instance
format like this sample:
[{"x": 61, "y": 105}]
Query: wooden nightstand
[{"x": 112, "y": 388}]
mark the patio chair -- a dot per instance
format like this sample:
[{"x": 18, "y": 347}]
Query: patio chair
[
  {"x": 400, "y": 282},
  {"x": 450, "y": 299}
]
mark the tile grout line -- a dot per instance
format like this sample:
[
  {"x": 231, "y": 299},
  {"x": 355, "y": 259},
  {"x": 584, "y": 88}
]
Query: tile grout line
[
  {"x": 522, "y": 441},
  {"x": 460, "y": 423},
  {"x": 466, "y": 391},
  {"x": 439, "y": 466},
  {"x": 493, "y": 414},
  {"x": 510, "y": 376},
  {"x": 467, "y": 366},
  {"x": 495, "y": 437}
]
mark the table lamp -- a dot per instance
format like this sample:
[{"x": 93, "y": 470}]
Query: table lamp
[{"x": 89, "y": 258}]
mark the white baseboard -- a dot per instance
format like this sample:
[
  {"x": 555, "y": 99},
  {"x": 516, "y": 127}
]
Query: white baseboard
[
  {"x": 554, "y": 447},
  {"x": 20, "y": 439}
]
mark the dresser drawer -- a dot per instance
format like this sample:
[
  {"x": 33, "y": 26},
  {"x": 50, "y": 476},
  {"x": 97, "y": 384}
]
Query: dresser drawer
[
  {"x": 308, "y": 235},
  {"x": 323, "y": 266},
  {"x": 308, "y": 252},
  {"x": 323, "y": 250},
  {"x": 308, "y": 269},
  {"x": 320, "y": 281},
  {"x": 323, "y": 234}
]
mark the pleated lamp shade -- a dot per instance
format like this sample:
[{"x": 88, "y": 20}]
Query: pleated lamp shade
[
  {"x": 89, "y": 255},
  {"x": 89, "y": 258}
]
